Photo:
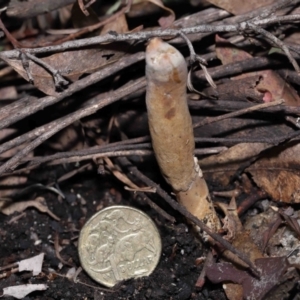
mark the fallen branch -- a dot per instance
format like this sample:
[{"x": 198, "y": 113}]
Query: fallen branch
[{"x": 147, "y": 34}]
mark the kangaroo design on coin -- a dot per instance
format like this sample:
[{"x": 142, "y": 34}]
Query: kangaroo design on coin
[{"x": 119, "y": 243}]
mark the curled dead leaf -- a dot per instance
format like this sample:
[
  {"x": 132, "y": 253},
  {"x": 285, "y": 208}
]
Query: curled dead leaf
[{"x": 39, "y": 203}]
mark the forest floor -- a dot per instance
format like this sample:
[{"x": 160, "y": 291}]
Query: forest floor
[{"x": 75, "y": 139}]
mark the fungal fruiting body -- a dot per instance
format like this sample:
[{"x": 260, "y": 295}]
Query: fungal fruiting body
[{"x": 171, "y": 129}]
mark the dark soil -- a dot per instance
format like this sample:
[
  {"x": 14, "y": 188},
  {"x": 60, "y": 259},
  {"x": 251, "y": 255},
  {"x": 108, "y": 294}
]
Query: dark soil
[{"x": 174, "y": 277}]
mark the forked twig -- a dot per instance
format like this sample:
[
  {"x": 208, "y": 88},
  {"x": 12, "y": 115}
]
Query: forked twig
[
  {"x": 202, "y": 62},
  {"x": 273, "y": 39},
  {"x": 59, "y": 81}
]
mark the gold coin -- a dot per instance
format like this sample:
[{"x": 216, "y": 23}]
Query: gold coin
[{"x": 118, "y": 243}]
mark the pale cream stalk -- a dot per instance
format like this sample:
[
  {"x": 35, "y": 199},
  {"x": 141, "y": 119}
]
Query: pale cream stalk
[{"x": 172, "y": 131}]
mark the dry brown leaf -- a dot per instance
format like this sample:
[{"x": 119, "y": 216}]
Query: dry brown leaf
[
  {"x": 39, "y": 203},
  {"x": 278, "y": 173},
  {"x": 118, "y": 25},
  {"x": 270, "y": 84},
  {"x": 242, "y": 90},
  {"x": 238, "y": 7},
  {"x": 73, "y": 64},
  {"x": 220, "y": 167},
  {"x": 70, "y": 64},
  {"x": 233, "y": 291},
  {"x": 140, "y": 9},
  {"x": 167, "y": 20}
]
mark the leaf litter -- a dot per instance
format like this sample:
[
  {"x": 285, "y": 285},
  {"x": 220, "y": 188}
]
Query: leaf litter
[
  {"x": 270, "y": 167},
  {"x": 33, "y": 264},
  {"x": 21, "y": 291}
]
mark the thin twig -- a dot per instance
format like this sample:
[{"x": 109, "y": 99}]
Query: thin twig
[
  {"x": 160, "y": 211},
  {"x": 274, "y": 141},
  {"x": 107, "y": 151},
  {"x": 76, "y": 159},
  {"x": 70, "y": 174},
  {"x": 82, "y": 7},
  {"x": 14, "y": 42},
  {"x": 209, "y": 120},
  {"x": 146, "y": 34},
  {"x": 73, "y": 158},
  {"x": 294, "y": 121},
  {"x": 118, "y": 174},
  {"x": 201, "y": 279},
  {"x": 193, "y": 56},
  {"x": 273, "y": 39},
  {"x": 202, "y": 62},
  {"x": 227, "y": 105},
  {"x": 211, "y": 150},
  {"x": 56, "y": 247},
  {"x": 239, "y": 67},
  {"x": 277, "y": 19},
  {"x": 140, "y": 191}
]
